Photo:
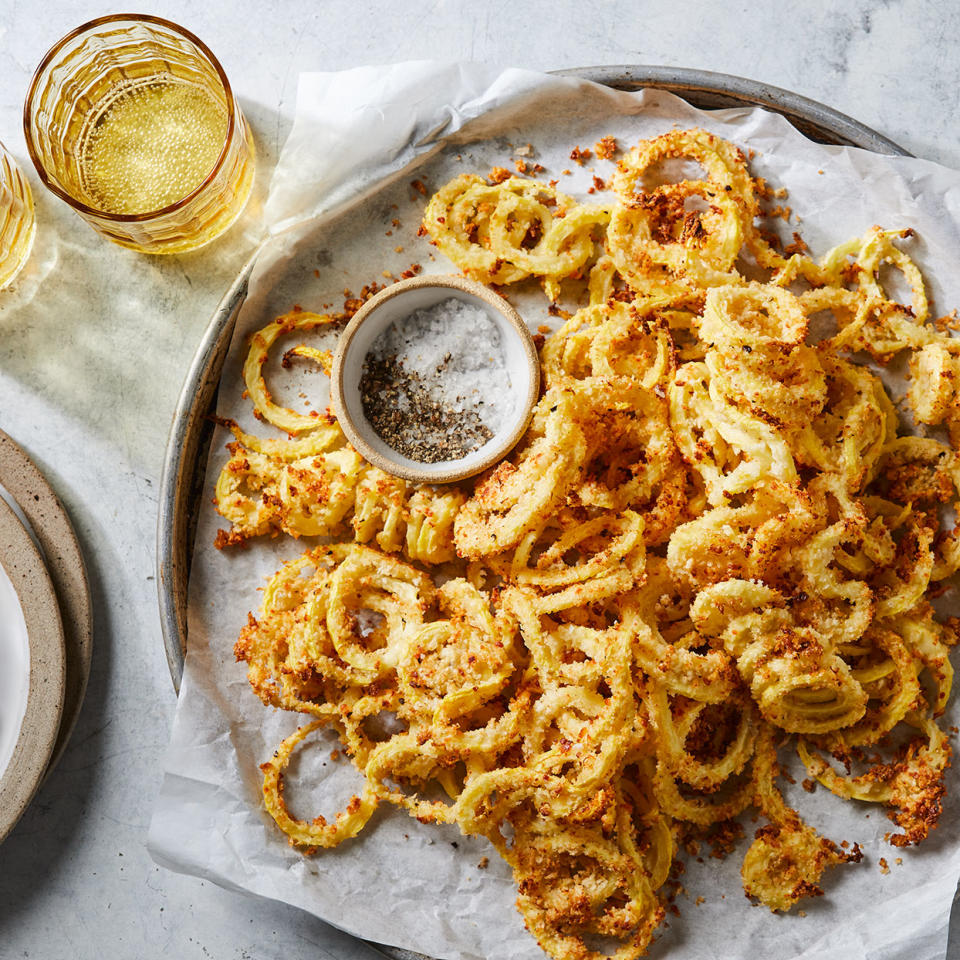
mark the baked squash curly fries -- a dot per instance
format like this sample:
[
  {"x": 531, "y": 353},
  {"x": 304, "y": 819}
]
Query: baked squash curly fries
[{"x": 713, "y": 541}]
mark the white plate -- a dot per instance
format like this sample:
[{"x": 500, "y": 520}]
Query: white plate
[
  {"x": 14, "y": 668},
  {"x": 33, "y": 600}
]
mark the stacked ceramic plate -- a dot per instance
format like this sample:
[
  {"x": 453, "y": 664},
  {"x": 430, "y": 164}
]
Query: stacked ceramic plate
[{"x": 46, "y": 633}]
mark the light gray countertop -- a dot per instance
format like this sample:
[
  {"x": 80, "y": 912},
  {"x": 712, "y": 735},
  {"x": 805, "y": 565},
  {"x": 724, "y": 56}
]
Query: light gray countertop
[{"x": 89, "y": 390}]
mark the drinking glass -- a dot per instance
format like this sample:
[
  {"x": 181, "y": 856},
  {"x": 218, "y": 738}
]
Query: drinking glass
[
  {"x": 17, "y": 223},
  {"x": 131, "y": 120}
]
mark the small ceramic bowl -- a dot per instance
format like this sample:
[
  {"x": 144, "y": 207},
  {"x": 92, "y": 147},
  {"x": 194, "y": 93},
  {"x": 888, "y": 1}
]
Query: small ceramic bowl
[{"x": 396, "y": 302}]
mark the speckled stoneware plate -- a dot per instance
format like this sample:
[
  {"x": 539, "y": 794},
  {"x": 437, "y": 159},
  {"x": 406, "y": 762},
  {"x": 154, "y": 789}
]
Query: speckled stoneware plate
[
  {"x": 23, "y": 481},
  {"x": 191, "y": 431},
  {"x": 34, "y": 668}
]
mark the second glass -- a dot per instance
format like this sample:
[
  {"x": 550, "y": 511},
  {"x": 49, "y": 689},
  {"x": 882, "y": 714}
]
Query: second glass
[
  {"x": 132, "y": 121},
  {"x": 17, "y": 222}
]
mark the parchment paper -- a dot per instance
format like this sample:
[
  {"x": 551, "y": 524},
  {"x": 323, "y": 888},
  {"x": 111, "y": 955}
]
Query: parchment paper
[{"x": 341, "y": 204}]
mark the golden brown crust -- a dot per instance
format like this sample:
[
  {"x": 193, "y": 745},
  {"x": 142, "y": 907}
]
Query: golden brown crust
[{"x": 711, "y": 543}]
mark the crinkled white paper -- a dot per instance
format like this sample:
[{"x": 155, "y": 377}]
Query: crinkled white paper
[{"x": 341, "y": 204}]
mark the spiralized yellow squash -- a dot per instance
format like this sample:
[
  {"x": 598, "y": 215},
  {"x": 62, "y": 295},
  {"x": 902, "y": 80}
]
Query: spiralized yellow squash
[{"x": 715, "y": 541}]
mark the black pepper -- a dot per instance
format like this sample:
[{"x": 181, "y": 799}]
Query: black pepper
[{"x": 398, "y": 405}]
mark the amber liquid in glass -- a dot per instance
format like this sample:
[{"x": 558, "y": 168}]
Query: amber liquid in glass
[
  {"x": 17, "y": 223},
  {"x": 152, "y": 146},
  {"x": 132, "y": 121}
]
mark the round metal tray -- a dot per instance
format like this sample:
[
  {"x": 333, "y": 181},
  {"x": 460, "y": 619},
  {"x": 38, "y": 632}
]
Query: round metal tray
[
  {"x": 190, "y": 433},
  {"x": 188, "y": 445}
]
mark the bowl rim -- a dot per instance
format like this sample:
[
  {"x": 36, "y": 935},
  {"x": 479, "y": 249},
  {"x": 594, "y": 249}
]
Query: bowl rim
[
  {"x": 449, "y": 473},
  {"x": 91, "y": 27}
]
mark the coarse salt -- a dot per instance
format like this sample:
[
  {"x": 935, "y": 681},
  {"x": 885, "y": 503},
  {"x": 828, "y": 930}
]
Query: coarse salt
[{"x": 456, "y": 349}]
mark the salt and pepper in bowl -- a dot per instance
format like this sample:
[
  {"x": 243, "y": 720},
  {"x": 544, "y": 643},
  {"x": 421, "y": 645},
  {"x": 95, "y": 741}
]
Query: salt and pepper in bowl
[{"x": 435, "y": 379}]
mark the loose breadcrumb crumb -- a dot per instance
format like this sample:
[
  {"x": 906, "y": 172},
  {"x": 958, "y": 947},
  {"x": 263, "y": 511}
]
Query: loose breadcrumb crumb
[
  {"x": 949, "y": 322},
  {"x": 605, "y": 148},
  {"x": 798, "y": 246}
]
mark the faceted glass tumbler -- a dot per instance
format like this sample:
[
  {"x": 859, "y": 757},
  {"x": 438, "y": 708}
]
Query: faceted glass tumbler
[
  {"x": 78, "y": 82},
  {"x": 17, "y": 221}
]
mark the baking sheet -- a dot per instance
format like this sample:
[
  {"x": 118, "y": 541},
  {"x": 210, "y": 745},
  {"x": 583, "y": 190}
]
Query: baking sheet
[{"x": 359, "y": 139}]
